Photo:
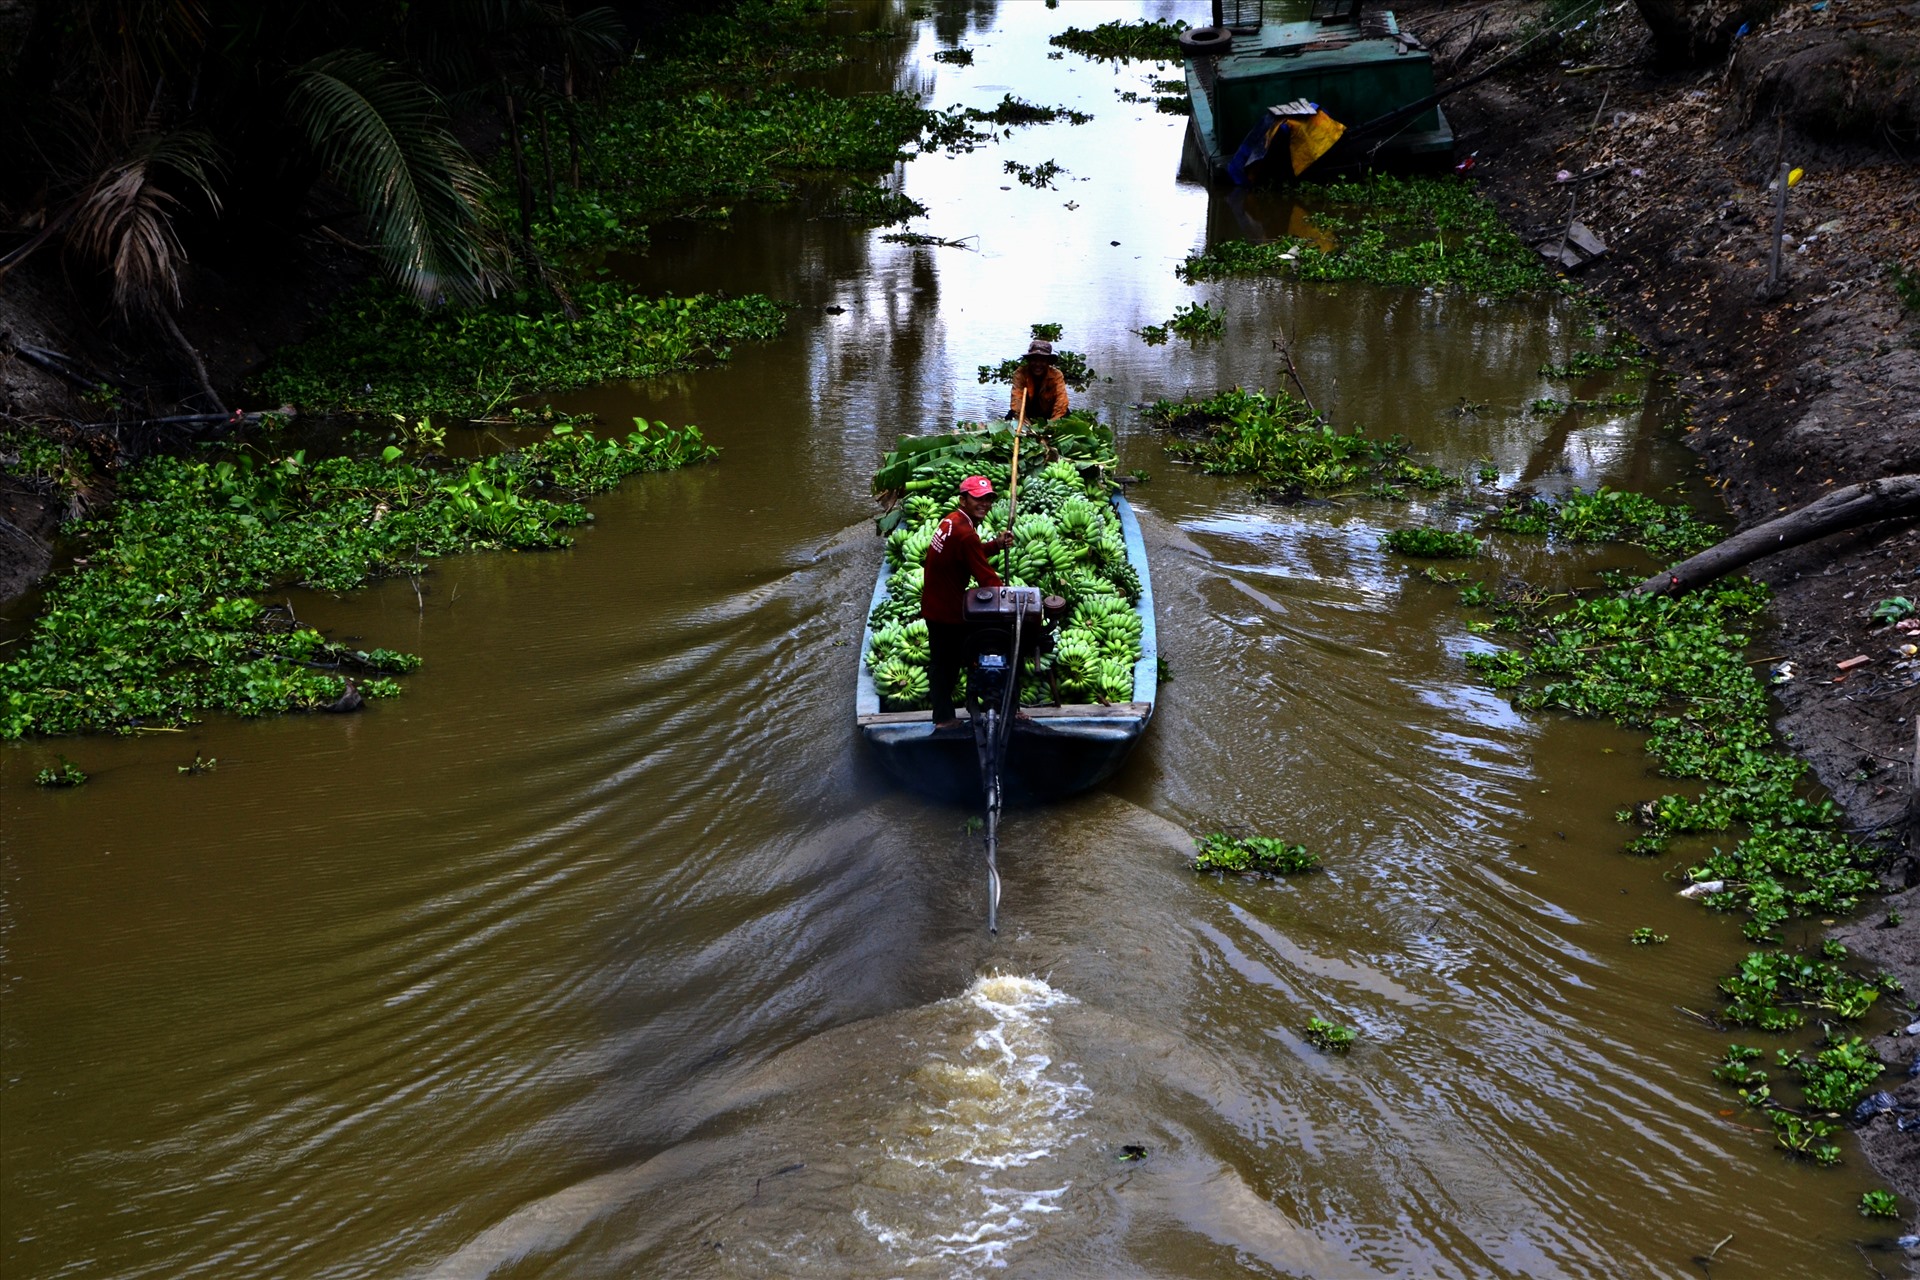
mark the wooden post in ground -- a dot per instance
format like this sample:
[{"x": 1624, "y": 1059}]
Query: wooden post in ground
[
  {"x": 1913, "y": 795},
  {"x": 1779, "y": 228}
]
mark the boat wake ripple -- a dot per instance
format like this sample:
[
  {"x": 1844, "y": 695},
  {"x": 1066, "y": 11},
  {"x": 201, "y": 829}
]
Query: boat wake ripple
[{"x": 954, "y": 1182}]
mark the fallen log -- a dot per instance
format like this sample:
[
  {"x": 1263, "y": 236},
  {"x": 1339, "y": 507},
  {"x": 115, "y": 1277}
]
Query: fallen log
[
  {"x": 233, "y": 418},
  {"x": 1889, "y": 498}
]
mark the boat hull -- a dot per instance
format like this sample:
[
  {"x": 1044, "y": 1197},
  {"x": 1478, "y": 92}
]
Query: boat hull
[
  {"x": 1055, "y": 752},
  {"x": 1358, "y": 79}
]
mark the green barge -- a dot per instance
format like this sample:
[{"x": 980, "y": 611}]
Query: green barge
[{"x": 1358, "y": 68}]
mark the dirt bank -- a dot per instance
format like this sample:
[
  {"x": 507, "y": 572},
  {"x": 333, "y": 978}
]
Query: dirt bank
[{"x": 1813, "y": 385}]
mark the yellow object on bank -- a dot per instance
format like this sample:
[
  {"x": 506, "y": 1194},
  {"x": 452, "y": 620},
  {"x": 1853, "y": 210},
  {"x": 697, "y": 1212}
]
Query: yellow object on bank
[{"x": 1793, "y": 178}]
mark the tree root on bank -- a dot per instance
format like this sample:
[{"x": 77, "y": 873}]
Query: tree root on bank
[{"x": 1889, "y": 498}]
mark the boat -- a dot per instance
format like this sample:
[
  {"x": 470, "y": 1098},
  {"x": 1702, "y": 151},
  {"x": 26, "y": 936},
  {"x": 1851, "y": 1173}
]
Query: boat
[
  {"x": 1356, "y": 67},
  {"x": 1054, "y": 751}
]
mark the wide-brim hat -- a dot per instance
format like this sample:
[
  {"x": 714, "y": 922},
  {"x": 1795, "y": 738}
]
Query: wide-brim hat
[{"x": 1040, "y": 347}]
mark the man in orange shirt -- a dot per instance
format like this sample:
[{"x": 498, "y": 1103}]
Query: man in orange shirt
[
  {"x": 1039, "y": 383},
  {"x": 955, "y": 559}
]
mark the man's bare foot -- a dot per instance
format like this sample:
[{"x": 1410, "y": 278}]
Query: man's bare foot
[{"x": 947, "y": 724}]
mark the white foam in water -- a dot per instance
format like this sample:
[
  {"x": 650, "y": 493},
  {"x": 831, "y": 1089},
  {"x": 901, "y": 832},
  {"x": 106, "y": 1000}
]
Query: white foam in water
[{"x": 988, "y": 1110}]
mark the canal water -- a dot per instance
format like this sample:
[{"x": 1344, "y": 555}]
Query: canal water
[{"x": 605, "y": 950}]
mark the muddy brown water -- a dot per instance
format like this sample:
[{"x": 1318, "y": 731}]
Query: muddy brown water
[{"x": 606, "y": 951}]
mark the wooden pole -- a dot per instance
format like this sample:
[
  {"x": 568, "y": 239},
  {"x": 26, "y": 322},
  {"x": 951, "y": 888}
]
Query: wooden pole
[
  {"x": 1779, "y": 228},
  {"x": 1913, "y": 792},
  {"x": 1013, "y": 479}
]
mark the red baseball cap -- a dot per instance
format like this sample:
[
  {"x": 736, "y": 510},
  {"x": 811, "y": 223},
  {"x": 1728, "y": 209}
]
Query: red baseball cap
[{"x": 977, "y": 487}]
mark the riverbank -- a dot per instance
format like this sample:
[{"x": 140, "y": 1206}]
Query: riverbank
[{"x": 1791, "y": 395}]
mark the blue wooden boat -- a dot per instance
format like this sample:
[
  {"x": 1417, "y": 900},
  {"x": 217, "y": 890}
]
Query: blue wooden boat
[{"x": 1054, "y": 752}]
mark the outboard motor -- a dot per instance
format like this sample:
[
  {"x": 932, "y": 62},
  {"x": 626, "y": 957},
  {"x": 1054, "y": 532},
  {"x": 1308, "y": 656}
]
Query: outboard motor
[{"x": 1007, "y": 627}]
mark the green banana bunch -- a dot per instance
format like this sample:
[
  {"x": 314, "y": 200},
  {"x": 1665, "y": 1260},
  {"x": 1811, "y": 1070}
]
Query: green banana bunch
[
  {"x": 1064, "y": 474},
  {"x": 1125, "y": 580},
  {"x": 1031, "y": 563},
  {"x": 1092, "y": 610},
  {"x": 1042, "y": 497},
  {"x": 1076, "y": 656},
  {"x": 916, "y": 647},
  {"x": 1079, "y": 520},
  {"x": 902, "y": 686},
  {"x": 908, "y": 544},
  {"x": 1119, "y": 637},
  {"x": 1032, "y": 526},
  {"x": 885, "y": 645},
  {"x": 1064, "y": 555},
  {"x": 1114, "y": 680}
]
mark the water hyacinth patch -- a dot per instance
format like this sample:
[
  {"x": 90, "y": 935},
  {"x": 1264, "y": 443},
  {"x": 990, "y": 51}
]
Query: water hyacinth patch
[
  {"x": 1623, "y": 353},
  {"x": 1156, "y": 40},
  {"x": 1676, "y": 666},
  {"x": 1437, "y": 232},
  {"x": 382, "y": 354},
  {"x": 1670, "y": 531},
  {"x": 67, "y": 774},
  {"x": 1194, "y": 321},
  {"x": 1879, "y": 1204},
  {"x": 716, "y": 123},
  {"x": 711, "y": 125},
  {"x": 1837, "y": 1076},
  {"x": 1330, "y": 1036},
  {"x": 1262, "y": 855},
  {"x": 1015, "y": 112},
  {"x": 1033, "y": 175},
  {"x": 875, "y": 204},
  {"x": 1285, "y": 448},
  {"x": 1434, "y": 544},
  {"x": 1547, "y": 406},
  {"x": 159, "y": 623}
]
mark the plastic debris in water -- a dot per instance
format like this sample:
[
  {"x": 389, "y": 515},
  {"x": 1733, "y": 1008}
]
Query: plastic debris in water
[{"x": 1873, "y": 1104}]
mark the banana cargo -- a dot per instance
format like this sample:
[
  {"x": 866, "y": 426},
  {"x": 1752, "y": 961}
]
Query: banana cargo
[{"x": 1073, "y": 633}]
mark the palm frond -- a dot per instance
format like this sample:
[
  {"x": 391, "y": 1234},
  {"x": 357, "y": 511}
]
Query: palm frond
[
  {"x": 597, "y": 33},
  {"x": 382, "y": 135},
  {"x": 123, "y": 220}
]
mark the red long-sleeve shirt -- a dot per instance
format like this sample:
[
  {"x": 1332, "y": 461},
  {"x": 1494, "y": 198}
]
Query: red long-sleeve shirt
[{"x": 954, "y": 561}]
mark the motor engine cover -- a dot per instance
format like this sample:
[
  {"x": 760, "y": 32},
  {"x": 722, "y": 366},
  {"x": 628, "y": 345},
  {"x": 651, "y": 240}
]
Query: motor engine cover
[{"x": 997, "y": 605}]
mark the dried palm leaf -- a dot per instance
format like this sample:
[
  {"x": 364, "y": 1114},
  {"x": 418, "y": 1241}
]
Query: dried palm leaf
[{"x": 123, "y": 221}]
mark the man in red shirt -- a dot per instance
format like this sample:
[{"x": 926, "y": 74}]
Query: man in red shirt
[
  {"x": 1039, "y": 385},
  {"x": 955, "y": 560}
]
